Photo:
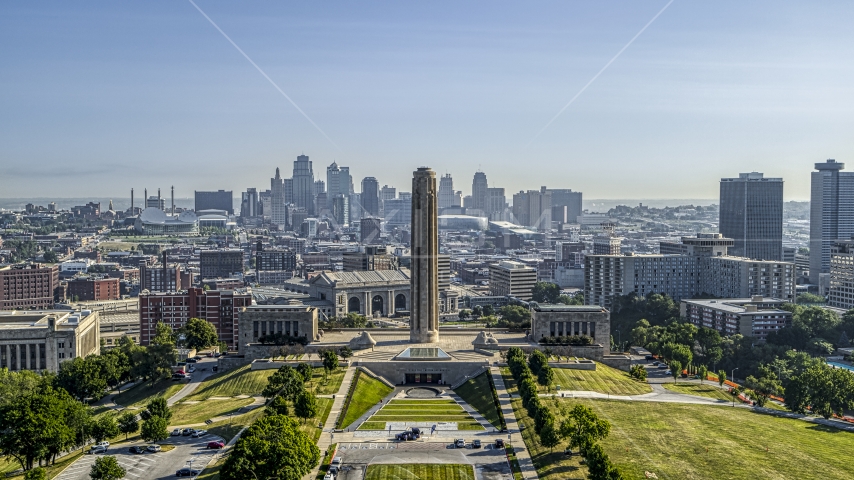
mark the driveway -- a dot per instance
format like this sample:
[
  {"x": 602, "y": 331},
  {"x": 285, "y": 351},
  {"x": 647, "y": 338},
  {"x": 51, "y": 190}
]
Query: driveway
[{"x": 188, "y": 451}]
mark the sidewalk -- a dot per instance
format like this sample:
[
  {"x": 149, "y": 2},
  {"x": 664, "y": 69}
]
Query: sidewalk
[
  {"x": 522, "y": 455},
  {"x": 326, "y": 435}
]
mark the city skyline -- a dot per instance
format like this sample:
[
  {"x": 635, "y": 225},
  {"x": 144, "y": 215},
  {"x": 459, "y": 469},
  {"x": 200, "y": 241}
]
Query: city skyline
[{"x": 144, "y": 96}]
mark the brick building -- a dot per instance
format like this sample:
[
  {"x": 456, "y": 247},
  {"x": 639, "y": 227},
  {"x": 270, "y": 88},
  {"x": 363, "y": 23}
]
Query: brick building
[
  {"x": 93, "y": 289},
  {"x": 28, "y": 286},
  {"x": 218, "y": 307},
  {"x": 220, "y": 263}
]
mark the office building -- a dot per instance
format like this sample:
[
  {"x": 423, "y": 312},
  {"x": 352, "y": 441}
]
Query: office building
[
  {"x": 278, "y": 215},
  {"x": 755, "y": 317},
  {"x": 28, "y": 286},
  {"x": 831, "y": 215},
  {"x": 219, "y": 200},
  {"x": 533, "y": 209},
  {"x": 41, "y": 340},
  {"x": 155, "y": 202},
  {"x": 340, "y": 208},
  {"x": 446, "y": 191},
  {"x": 222, "y": 263},
  {"x": 424, "y": 285},
  {"x": 751, "y": 213},
  {"x": 370, "y": 230},
  {"x": 303, "y": 184},
  {"x": 338, "y": 182},
  {"x": 275, "y": 260},
  {"x": 249, "y": 203},
  {"x": 496, "y": 202},
  {"x": 163, "y": 277},
  {"x": 370, "y": 196},
  {"x": 259, "y": 321},
  {"x": 606, "y": 245},
  {"x": 841, "y": 292},
  {"x": 93, "y": 289},
  {"x": 219, "y": 307},
  {"x": 567, "y": 202},
  {"x": 398, "y": 212},
  {"x": 369, "y": 258},
  {"x": 479, "y": 186},
  {"x": 509, "y": 278}
]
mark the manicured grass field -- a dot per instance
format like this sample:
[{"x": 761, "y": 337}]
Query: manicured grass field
[
  {"x": 478, "y": 393},
  {"x": 187, "y": 414},
  {"x": 705, "y": 390},
  {"x": 421, "y": 411},
  {"x": 603, "y": 380},
  {"x": 227, "y": 429},
  {"x": 701, "y": 442},
  {"x": 310, "y": 427},
  {"x": 424, "y": 471},
  {"x": 328, "y": 387},
  {"x": 240, "y": 381},
  {"x": 367, "y": 393},
  {"x": 143, "y": 393}
]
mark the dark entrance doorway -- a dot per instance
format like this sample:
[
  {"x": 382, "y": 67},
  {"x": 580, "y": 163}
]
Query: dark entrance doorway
[
  {"x": 400, "y": 302},
  {"x": 354, "y": 305},
  {"x": 423, "y": 377},
  {"x": 377, "y": 305}
]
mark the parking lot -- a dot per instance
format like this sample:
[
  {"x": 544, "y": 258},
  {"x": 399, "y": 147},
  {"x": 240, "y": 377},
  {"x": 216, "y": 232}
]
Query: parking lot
[
  {"x": 489, "y": 463},
  {"x": 187, "y": 452}
]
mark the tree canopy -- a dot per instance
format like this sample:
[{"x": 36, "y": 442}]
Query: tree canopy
[
  {"x": 198, "y": 334},
  {"x": 272, "y": 447},
  {"x": 106, "y": 468}
]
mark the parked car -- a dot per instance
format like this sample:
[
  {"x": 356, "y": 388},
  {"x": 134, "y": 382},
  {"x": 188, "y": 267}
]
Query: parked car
[
  {"x": 662, "y": 365},
  {"x": 655, "y": 364},
  {"x": 475, "y": 444},
  {"x": 198, "y": 433},
  {"x": 176, "y": 432},
  {"x": 103, "y": 444},
  {"x": 216, "y": 445},
  {"x": 192, "y": 370},
  {"x": 499, "y": 443},
  {"x": 337, "y": 461},
  {"x": 191, "y": 360},
  {"x": 648, "y": 357},
  {"x": 197, "y": 357},
  {"x": 329, "y": 476},
  {"x": 136, "y": 449},
  {"x": 668, "y": 372},
  {"x": 187, "y": 432},
  {"x": 97, "y": 449},
  {"x": 460, "y": 443},
  {"x": 154, "y": 448},
  {"x": 187, "y": 472}
]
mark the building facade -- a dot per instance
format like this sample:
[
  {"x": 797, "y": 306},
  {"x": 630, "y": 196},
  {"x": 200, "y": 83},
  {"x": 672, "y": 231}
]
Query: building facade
[
  {"x": 220, "y": 263},
  {"x": 755, "y": 317},
  {"x": 219, "y": 200},
  {"x": 841, "y": 292},
  {"x": 278, "y": 215},
  {"x": 571, "y": 320},
  {"x": 28, "y": 286},
  {"x": 303, "y": 184},
  {"x": 533, "y": 209},
  {"x": 831, "y": 214},
  {"x": 509, "y": 278},
  {"x": 479, "y": 187},
  {"x": 93, "y": 289},
  {"x": 446, "y": 191},
  {"x": 568, "y": 201},
  {"x": 258, "y": 321},
  {"x": 751, "y": 213},
  {"x": 41, "y": 341},
  {"x": 370, "y": 197}
]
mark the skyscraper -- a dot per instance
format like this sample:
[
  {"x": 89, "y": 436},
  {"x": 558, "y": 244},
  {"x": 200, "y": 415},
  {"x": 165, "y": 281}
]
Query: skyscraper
[
  {"x": 478, "y": 191},
  {"x": 564, "y": 197},
  {"x": 304, "y": 184},
  {"x": 533, "y": 208},
  {"x": 249, "y": 203},
  {"x": 751, "y": 213},
  {"x": 424, "y": 283},
  {"x": 495, "y": 203},
  {"x": 831, "y": 214},
  {"x": 278, "y": 215},
  {"x": 370, "y": 196},
  {"x": 446, "y": 191}
]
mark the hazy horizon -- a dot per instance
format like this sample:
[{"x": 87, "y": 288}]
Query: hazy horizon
[{"x": 107, "y": 96}]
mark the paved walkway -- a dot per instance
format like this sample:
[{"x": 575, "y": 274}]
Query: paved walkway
[
  {"x": 326, "y": 435},
  {"x": 522, "y": 455}
]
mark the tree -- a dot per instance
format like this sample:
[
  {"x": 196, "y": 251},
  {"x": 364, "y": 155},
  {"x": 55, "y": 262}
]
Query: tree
[
  {"x": 50, "y": 256},
  {"x": 37, "y": 473},
  {"x": 286, "y": 382},
  {"x": 764, "y": 386},
  {"x": 330, "y": 360},
  {"x": 128, "y": 423},
  {"x": 198, "y": 334},
  {"x": 549, "y": 436},
  {"x": 545, "y": 292},
  {"x": 721, "y": 377},
  {"x": 278, "y": 406},
  {"x": 515, "y": 316},
  {"x": 157, "y": 407},
  {"x": 675, "y": 369},
  {"x": 638, "y": 372},
  {"x": 599, "y": 466},
  {"x": 537, "y": 360},
  {"x": 305, "y": 405},
  {"x": 477, "y": 311},
  {"x": 154, "y": 430},
  {"x": 160, "y": 354},
  {"x": 488, "y": 310},
  {"x": 463, "y": 314},
  {"x": 106, "y": 468},
  {"x": 583, "y": 428},
  {"x": 104, "y": 428},
  {"x": 546, "y": 376},
  {"x": 81, "y": 377},
  {"x": 305, "y": 371},
  {"x": 272, "y": 447},
  {"x": 702, "y": 372},
  {"x": 345, "y": 352},
  {"x": 679, "y": 352}
]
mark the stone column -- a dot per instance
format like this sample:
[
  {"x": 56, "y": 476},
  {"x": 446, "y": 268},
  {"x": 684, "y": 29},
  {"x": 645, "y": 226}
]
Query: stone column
[
  {"x": 390, "y": 304},
  {"x": 368, "y": 307},
  {"x": 424, "y": 277}
]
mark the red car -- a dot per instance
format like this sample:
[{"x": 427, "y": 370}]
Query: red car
[{"x": 216, "y": 445}]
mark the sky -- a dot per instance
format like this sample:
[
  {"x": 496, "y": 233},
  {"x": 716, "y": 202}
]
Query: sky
[{"x": 100, "y": 97}]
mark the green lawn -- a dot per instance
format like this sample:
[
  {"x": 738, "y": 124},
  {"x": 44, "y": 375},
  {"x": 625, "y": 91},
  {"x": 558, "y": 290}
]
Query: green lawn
[
  {"x": 698, "y": 442},
  {"x": 477, "y": 392},
  {"x": 228, "y": 429},
  {"x": 603, "y": 380},
  {"x": 367, "y": 393},
  {"x": 421, "y": 411},
  {"x": 328, "y": 387},
  {"x": 240, "y": 381},
  {"x": 143, "y": 393},
  {"x": 310, "y": 426},
  {"x": 698, "y": 390},
  {"x": 428, "y": 471},
  {"x": 187, "y": 414}
]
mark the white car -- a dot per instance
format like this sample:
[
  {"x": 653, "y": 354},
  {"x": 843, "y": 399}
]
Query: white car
[
  {"x": 192, "y": 370},
  {"x": 103, "y": 444},
  {"x": 154, "y": 448},
  {"x": 97, "y": 449},
  {"x": 176, "y": 432},
  {"x": 198, "y": 433}
]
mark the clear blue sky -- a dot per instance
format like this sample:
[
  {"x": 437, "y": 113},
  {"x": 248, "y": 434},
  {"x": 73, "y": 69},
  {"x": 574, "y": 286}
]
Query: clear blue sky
[{"x": 105, "y": 96}]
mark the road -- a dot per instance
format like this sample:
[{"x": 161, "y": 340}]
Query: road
[{"x": 188, "y": 451}]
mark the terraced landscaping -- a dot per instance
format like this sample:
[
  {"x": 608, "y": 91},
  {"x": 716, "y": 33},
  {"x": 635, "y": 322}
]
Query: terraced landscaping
[
  {"x": 477, "y": 392},
  {"x": 366, "y": 393},
  {"x": 603, "y": 380},
  {"x": 143, "y": 393},
  {"x": 696, "y": 389},
  {"x": 188, "y": 413},
  {"x": 240, "y": 381},
  {"x": 428, "y": 471},
  {"x": 423, "y": 411}
]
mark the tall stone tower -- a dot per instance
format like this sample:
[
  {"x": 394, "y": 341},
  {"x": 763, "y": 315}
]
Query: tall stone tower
[{"x": 424, "y": 291}]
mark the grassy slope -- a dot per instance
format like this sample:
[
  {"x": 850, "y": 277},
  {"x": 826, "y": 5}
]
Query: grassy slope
[
  {"x": 700, "y": 442},
  {"x": 421, "y": 411},
  {"x": 367, "y": 393},
  {"x": 143, "y": 393},
  {"x": 240, "y": 381},
  {"x": 477, "y": 393},
  {"x": 420, "y": 472},
  {"x": 603, "y": 380},
  {"x": 698, "y": 390},
  {"x": 186, "y": 414},
  {"x": 330, "y": 386}
]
